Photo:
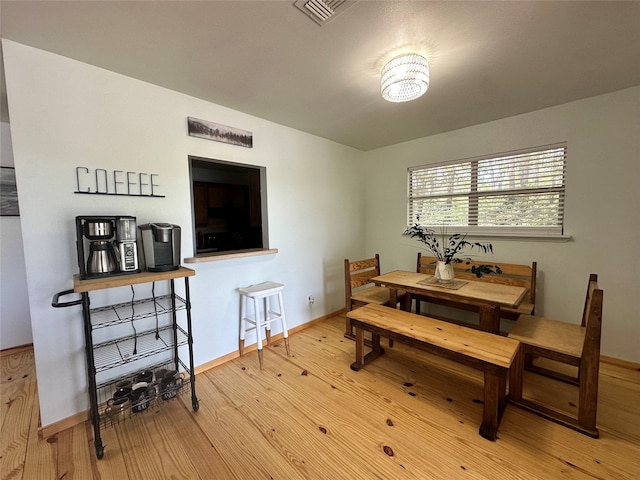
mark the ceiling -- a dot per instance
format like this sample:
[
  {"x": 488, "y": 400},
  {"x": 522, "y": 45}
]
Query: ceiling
[{"x": 488, "y": 60}]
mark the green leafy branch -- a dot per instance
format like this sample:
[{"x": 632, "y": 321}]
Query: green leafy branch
[
  {"x": 480, "y": 270},
  {"x": 451, "y": 246}
]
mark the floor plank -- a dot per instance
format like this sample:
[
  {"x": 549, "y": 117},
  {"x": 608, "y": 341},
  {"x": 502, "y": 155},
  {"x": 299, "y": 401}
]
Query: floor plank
[
  {"x": 42, "y": 454},
  {"x": 112, "y": 465},
  {"x": 205, "y": 458},
  {"x": 18, "y": 392},
  {"x": 149, "y": 449},
  {"x": 234, "y": 435},
  {"x": 435, "y": 420},
  {"x": 406, "y": 415},
  {"x": 319, "y": 433},
  {"x": 73, "y": 456}
]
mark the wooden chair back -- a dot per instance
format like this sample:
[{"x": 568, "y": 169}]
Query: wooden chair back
[
  {"x": 358, "y": 274},
  {"x": 592, "y": 321},
  {"x": 512, "y": 274},
  {"x": 587, "y": 314},
  {"x": 359, "y": 289}
]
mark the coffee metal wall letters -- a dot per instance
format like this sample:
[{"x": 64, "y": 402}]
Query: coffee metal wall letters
[{"x": 116, "y": 182}]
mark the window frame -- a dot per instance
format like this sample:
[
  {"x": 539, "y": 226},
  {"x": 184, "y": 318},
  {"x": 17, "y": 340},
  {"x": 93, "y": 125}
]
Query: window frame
[{"x": 471, "y": 169}]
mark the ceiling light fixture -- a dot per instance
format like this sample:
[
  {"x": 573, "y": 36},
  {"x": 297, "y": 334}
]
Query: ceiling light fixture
[{"x": 405, "y": 78}]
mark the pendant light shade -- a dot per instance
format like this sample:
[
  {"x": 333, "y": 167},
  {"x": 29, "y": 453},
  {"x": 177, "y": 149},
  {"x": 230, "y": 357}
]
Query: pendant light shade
[{"x": 405, "y": 78}]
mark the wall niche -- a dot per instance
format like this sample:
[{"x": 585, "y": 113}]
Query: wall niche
[{"x": 229, "y": 205}]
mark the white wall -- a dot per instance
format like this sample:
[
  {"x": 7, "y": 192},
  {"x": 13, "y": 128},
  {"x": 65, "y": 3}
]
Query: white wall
[
  {"x": 15, "y": 320},
  {"x": 602, "y": 206},
  {"x": 66, "y": 114}
]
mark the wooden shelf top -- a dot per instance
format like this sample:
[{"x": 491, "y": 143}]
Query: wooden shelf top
[{"x": 92, "y": 284}]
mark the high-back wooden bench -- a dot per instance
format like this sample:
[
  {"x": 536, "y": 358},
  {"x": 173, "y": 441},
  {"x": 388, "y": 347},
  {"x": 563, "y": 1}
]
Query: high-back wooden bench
[
  {"x": 512, "y": 274},
  {"x": 568, "y": 343},
  {"x": 492, "y": 354},
  {"x": 360, "y": 290}
]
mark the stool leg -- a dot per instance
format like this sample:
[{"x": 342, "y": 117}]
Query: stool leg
[
  {"x": 266, "y": 320},
  {"x": 243, "y": 323},
  {"x": 256, "y": 306},
  {"x": 285, "y": 332}
]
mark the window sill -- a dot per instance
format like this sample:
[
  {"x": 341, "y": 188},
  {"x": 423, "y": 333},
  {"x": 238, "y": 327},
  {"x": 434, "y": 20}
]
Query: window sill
[
  {"x": 217, "y": 256},
  {"x": 523, "y": 236}
]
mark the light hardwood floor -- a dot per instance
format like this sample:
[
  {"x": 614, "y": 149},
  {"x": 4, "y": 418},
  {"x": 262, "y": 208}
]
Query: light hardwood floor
[{"x": 406, "y": 415}]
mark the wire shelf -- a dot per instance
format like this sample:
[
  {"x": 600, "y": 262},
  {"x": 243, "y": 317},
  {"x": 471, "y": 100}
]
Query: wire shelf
[
  {"x": 131, "y": 413},
  {"x": 120, "y": 351},
  {"x": 136, "y": 310},
  {"x": 106, "y": 387},
  {"x": 119, "y": 357}
]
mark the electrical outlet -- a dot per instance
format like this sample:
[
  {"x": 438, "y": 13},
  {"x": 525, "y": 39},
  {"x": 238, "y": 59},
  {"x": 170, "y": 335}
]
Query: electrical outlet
[{"x": 311, "y": 300}]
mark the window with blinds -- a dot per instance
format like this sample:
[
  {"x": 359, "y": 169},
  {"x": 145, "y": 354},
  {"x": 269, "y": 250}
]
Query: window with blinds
[{"x": 517, "y": 192}]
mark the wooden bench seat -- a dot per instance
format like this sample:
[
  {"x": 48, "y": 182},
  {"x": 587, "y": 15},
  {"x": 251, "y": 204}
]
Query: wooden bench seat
[
  {"x": 492, "y": 354},
  {"x": 512, "y": 274}
]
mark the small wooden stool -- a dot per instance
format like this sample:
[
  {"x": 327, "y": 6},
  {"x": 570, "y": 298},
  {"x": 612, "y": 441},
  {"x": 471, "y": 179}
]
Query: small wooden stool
[{"x": 265, "y": 291}]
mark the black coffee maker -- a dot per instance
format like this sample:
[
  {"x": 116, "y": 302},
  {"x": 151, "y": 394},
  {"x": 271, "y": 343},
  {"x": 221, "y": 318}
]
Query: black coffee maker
[
  {"x": 159, "y": 246},
  {"x": 102, "y": 251}
]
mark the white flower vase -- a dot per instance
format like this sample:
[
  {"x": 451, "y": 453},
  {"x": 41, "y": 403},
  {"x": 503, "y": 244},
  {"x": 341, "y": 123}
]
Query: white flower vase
[{"x": 444, "y": 272}]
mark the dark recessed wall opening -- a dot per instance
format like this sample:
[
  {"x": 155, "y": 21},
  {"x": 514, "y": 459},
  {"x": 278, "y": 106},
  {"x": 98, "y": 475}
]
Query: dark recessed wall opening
[{"x": 229, "y": 205}]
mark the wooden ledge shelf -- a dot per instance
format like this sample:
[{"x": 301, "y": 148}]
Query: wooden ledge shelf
[
  {"x": 100, "y": 283},
  {"x": 228, "y": 255}
]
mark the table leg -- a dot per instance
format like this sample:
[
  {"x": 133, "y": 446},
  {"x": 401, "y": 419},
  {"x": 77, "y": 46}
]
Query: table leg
[
  {"x": 393, "y": 297},
  {"x": 406, "y": 305},
  {"x": 393, "y": 302},
  {"x": 490, "y": 318}
]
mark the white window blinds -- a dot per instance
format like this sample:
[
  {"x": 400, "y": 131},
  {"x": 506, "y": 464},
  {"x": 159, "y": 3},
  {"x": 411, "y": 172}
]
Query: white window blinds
[{"x": 515, "y": 192}]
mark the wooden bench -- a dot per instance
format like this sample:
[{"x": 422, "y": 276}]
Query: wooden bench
[
  {"x": 512, "y": 274},
  {"x": 569, "y": 343},
  {"x": 492, "y": 354}
]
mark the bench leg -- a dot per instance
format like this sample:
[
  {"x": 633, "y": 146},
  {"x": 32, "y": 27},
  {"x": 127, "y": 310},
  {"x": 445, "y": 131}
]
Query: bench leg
[
  {"x": 375, "y": 344},
  {"x": 359, "y": 363},
  {"x": 494, "y": 403},
  {"x": 361, "y": 358},
  {"x": 516, "y": 373},
  {"x": 588, "y": 395}
]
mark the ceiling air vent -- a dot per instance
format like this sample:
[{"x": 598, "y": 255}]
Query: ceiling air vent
[{"x": 323, "y": 11}]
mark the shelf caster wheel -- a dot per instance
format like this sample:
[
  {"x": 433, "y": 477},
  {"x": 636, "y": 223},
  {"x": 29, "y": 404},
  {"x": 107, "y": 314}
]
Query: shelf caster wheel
[
  {"x": 196, "y": 405},
  {"x": 99, "y": 451}
]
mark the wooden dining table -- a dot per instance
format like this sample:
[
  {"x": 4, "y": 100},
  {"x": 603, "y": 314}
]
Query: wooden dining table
[{"x": 482, "y": 297}]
